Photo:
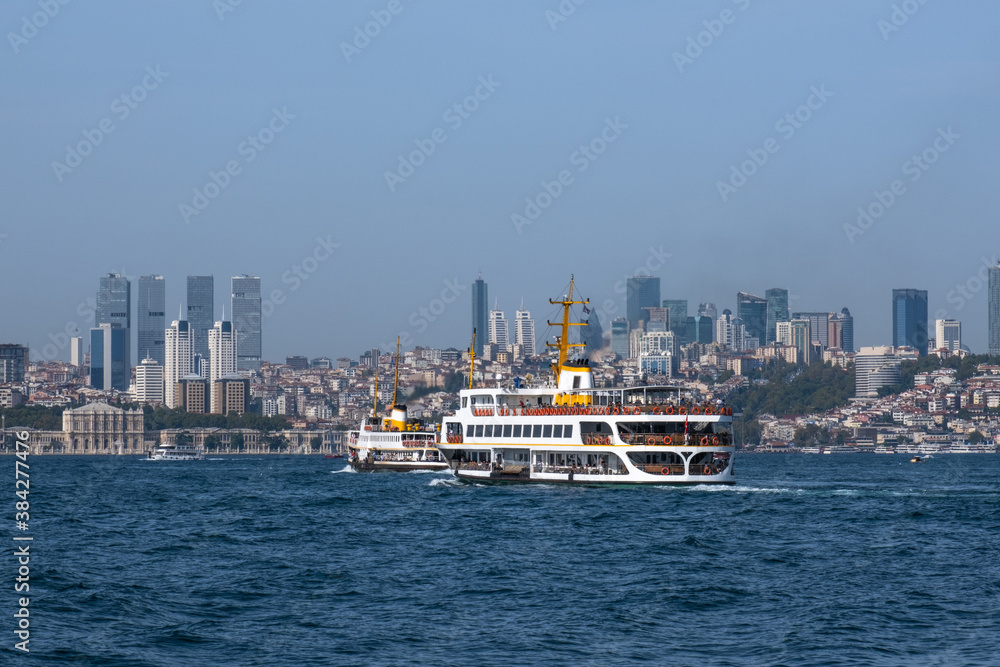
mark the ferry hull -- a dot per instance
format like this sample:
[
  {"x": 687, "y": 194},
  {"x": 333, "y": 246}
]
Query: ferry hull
[{"x": 398, "y": 466}]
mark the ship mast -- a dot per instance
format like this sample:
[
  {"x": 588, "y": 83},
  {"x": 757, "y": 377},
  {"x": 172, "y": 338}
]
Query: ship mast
[
  {"x": 562, "y": 341},
  {"x": 395, "y": 385},
  {"x": 472, "y": 357}
]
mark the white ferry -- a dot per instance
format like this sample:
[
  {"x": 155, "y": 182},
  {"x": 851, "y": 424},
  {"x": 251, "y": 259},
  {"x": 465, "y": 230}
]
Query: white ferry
[
  {"x": 573, "y": 432},
  {"x": 393, "y": 443},
  {"x": 174, "y": 452}
]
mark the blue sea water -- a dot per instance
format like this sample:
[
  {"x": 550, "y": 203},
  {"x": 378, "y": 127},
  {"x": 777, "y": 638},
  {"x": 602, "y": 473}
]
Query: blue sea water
[{"x": 809, "y": 560}]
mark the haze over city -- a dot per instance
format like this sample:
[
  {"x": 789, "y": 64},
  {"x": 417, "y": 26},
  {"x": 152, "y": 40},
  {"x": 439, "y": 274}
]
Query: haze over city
[{"x": 409, "y": 158}]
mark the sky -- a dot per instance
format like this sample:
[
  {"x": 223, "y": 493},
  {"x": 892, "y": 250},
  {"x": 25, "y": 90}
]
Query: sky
[{"x": 369, "y": 159}]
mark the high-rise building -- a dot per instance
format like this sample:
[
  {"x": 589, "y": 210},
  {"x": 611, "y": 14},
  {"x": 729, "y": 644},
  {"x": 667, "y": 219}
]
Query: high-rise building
[
  {"x": 592, "y": 335},
  {"x": 993, "y": 306},
  {"x": 247, "y": 321},
  {"x": 230, "y": 395},
  {"x": 499, "y": 333},
  {"x": 909, "y": 319},
  {"x": 108, "y": 368},
  {"x": 752, "y": 310},
  {"x": 847, "y": 331},
  {"x": 678, "y": 309},
  {"x": 948, "y": 334},
  {"x": 641, "y": 292},
  {"x": 295, "y": 362},
  {"x": 875, "y": 367},
  {"x": 13, "y": 362},
  {"x": 619, "y": 337},
  {"x": 201, "y": 311},
  {"x": 223, "y": 355},
  {"x": 149, "y": 381},
  {"x": 179, "y": 358},
  {"x": 777, "y": 310},
  {"x": 524, "y": 330},
  {"x": 152, "y": 302},
  {"x": 76, "y": 351},
  {"x": 700, "y": 329},
  {"x": 708, "y": 310},
  {"x": 191, "y": 394},
  {"x": 114, "y": 306},
  {"x": 819, "y": 327},
  {"x": 802, "y": 340},
  {"x": 480, "y": 314}
]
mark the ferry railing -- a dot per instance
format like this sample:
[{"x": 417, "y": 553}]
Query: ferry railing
[{"x": 692, "y": 410}]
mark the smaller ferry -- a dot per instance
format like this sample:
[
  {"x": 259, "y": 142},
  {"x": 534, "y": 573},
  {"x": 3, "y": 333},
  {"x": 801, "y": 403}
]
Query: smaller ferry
[
  {"x": 394, "y": 443},
  {"x": 174, "y": 452}
]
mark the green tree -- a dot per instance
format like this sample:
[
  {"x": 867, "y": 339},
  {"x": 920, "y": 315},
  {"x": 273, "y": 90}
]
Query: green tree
[
  {"x": 237, "y": 442},
  {"x": 183, "y": 438},
  {"x": 976, "y": 437},
  {"x": 316, "y": 442},
  {"x": 212, "y": 443}
]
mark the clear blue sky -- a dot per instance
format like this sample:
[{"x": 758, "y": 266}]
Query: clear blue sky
[{"x": 551, "y": 90}]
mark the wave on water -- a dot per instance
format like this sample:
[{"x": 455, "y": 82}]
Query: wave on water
[
  {"x": 452, "y": 481},
  {"x": 346, "y": 468},
  {"x": 432, "y": 472}
]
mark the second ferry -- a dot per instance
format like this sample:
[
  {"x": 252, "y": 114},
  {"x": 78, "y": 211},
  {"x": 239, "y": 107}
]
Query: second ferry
[{"x": 573, "y": 432}]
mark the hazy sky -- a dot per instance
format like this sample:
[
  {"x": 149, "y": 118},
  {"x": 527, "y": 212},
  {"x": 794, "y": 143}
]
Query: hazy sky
[{"x": 662, "y": 118}]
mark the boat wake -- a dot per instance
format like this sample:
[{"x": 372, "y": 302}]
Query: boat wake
[
  {"x": 346, "y": 468},
  {"x": 450, "y": 481}
]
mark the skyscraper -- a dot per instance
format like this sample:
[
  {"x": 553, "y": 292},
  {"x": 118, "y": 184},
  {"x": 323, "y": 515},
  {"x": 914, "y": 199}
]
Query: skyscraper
[
  {"x": 499, "y": 332},
  {"x": 819, "y": 326},
  {"x": 152, "y": 302},
  {"x": 708, "y": 310},
  {"x": 678, "y": 319},
  {"x": 994, "y": 310},
  {"x": 201, "y": 310},
  {"x": 801, "y": 339},
  {"x": 847, "y": 330},
  {"x": 222, "y": 351},
  {"x": 179, "y": 358},
  {"x": 149, "y": 381},
  {"x": 700, "y": 329},
  {"x": 108, "y": 346},
  {"x": 875, "y": 367},
  {"x": 76, "y": 351},
  {"x": 909, "y": 319},
  {"x": 480, "y": 313},
  {"x": 247, "y": 321},
  {"x": 524, "y": 330},
  {"x": 752, "y": 310},
  {"x": 641, "y": 292},
  {"x": 619, "y": 337},
  {"x": 114, "y": 306},
  {"x": 948, "y": 334},
  {"x": 777, "y": 310}
]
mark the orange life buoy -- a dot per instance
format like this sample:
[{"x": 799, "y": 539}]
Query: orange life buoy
[
  {"x": 607, "y": 410},
  {"x": 704, "y": 440},
  {"x": 706, "y": 471},
  {"x": 656, "y": 410},
  {"x": 615, "y": 411},
  {"x": 665, "y": 470},
  {"x": 669, "y": 410},
  {"x": 636, "y": 410},
  {"x": 715, "y": 440},
  {"x": 708, "y": 411},
  {"x": 682, "y": 411},
  {"x": 696, "y": 411},
  {"x": 650, "y": 440},
  {"x": 607, "y": 440}
]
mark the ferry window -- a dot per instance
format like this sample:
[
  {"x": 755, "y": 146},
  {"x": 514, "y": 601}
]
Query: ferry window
[
  {"x": 479, "y": 430},
  {"x": 489, "y": 431},
  {"x": 568, "y": 431},
  {"x": 537, "y": 431},
  {"x": 547, "y": 432},
  {"x": 468, "y": 431},
  {"x": 576, "y": 382},
  {"x": 506, "y": 430},
  {"x": 517, "y": 430},
  {"x": 465, "y": 401},
  {"x": 557, "y": 431}
]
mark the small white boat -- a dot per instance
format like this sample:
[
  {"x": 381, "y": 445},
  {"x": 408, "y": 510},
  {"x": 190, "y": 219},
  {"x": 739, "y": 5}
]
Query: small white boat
[{"x": 174, "y": 452}]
